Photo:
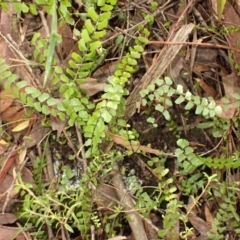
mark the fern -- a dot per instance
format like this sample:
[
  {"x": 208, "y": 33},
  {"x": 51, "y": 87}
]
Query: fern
[
  {"x": 227, "y": 218},
  {"x": 113, "y": 103}
]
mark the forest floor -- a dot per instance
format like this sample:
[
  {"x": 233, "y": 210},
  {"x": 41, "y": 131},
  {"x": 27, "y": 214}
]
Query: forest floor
[{"x": 190, "y": 43}]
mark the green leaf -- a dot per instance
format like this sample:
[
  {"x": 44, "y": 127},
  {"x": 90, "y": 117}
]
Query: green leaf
[
  {"x": 24, "y": 8},
  {"x": 54, "y": 112},
  {"x": 196, "y": 100},
  {"x": 205, "y": 125},
  {"x": 180, "y": 99},
  {"x": 106, "y": 116},
  {"x": 236, "y": 96},
  {"x": 132, "y": 61},
  {"x": 58, "y": 70},
  {"x": 199, "y": 109},
  {"x": 76, "y": 56},
  {"x": 92, "y": 13},
  {"x": 72, "y": 64},
  {"x": 62, "y": 116},
  {"x": 189, "y": 105},
  {"x": 22, "y": 84},
  {"x": 166, "y": 115},
  {"x": 168, "y": 81},
  {"x": 43, "y": 97},
  {"x": 89, "y": 26},
  {"x": 100, "y": 3},
  {"x": 168, "y": 102},
  {"x": 99, "y": 34},
  {"x": 179, "y": 89},
  {"x": 218, "y": 110},
  {"x": 52, "y": 101},
  {"x": 101, "y": 104},
  {"x": 188, "y": 95},
  {"x": 33, "y": 9},
  {"x": 151, "y": 120},
  {"x": 103, "y": 24},
  {"x": 81, "y": 45},
  {"x": 86, "y": 38},
  {"x": 159, "y": 82},
  {"x": 183, "y": 143},
  {"x": 188, "y": 150},
  {"x": 143, "y": 39},
  {"x": 113, "y": 105},
  {"x": 38, "y": 106},
  {"x": 30, "y": 102},
  {"x": 112, "y": 2},
  {"x": 225, "y": 100},
  {"x": 75, "y": 102},
  {"x": 68, "y": 93},
  {"x": 95, "y": 45},
  {"x": 107, "y": 8},
  {"x": 104, "y": 16},
  {"x": 31, "y": 90},
  {"x": 159, "y": 108},
  {"x": 23, "y": 97},
  {"x": 68, "y": 228},
  {"x": 204, "y": 101},
  {"x": 135, "y": 54},
  {"x": 205, "y": 112}
]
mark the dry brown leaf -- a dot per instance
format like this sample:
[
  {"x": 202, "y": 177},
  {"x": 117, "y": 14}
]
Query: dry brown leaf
[
  {"x": 7, "y": 218},
  {"x": 199, "y": 224},
  {"x": 6, "y": 28},
  {"x": 65, "y": 47},
  {"x": 208, "y": 89},
  {"x": 6, "y": 100},
  {"x": 37, "y": 133},
  {"x": 102, "y": 200},
  {"x": 2, "y": 149},
  {"x": 231, "y": 18},
  {"x": 9, "y": 233},
  {"x": 105, "y": 71},
  {"x": 57, "y": 125},
  {"x": 6, "y": 164},
  {"x": 92, "y": 86},
  {"x": 208, "y": 214},
  {"x": 133, "y": 147},
  {"x": 13, "y": 114},
  {"x": 230, "y": 84}
]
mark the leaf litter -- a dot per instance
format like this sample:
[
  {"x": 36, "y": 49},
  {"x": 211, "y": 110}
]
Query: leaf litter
[{"x": 22, "y": 129}]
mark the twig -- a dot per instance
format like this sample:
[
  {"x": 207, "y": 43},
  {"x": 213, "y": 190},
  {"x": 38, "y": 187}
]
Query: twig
[
  {"x": 197, "y": 43},
  {"x": 82, "y": 149},
  {"x": 14, "y": 47},
  {"x": 134, "y": 218},
  {"x": 71, "y": 145},
  {"x": 45, "y": 24},
  {"x": 26, "y": 235}
]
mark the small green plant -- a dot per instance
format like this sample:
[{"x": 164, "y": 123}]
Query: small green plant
[
  {"x": 227, "y": 218},
  {"x": 75, "y": 208}
]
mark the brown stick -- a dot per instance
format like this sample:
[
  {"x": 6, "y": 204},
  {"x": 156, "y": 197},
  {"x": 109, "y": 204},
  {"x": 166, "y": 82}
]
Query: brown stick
[{"x": 134, "y": 218}]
